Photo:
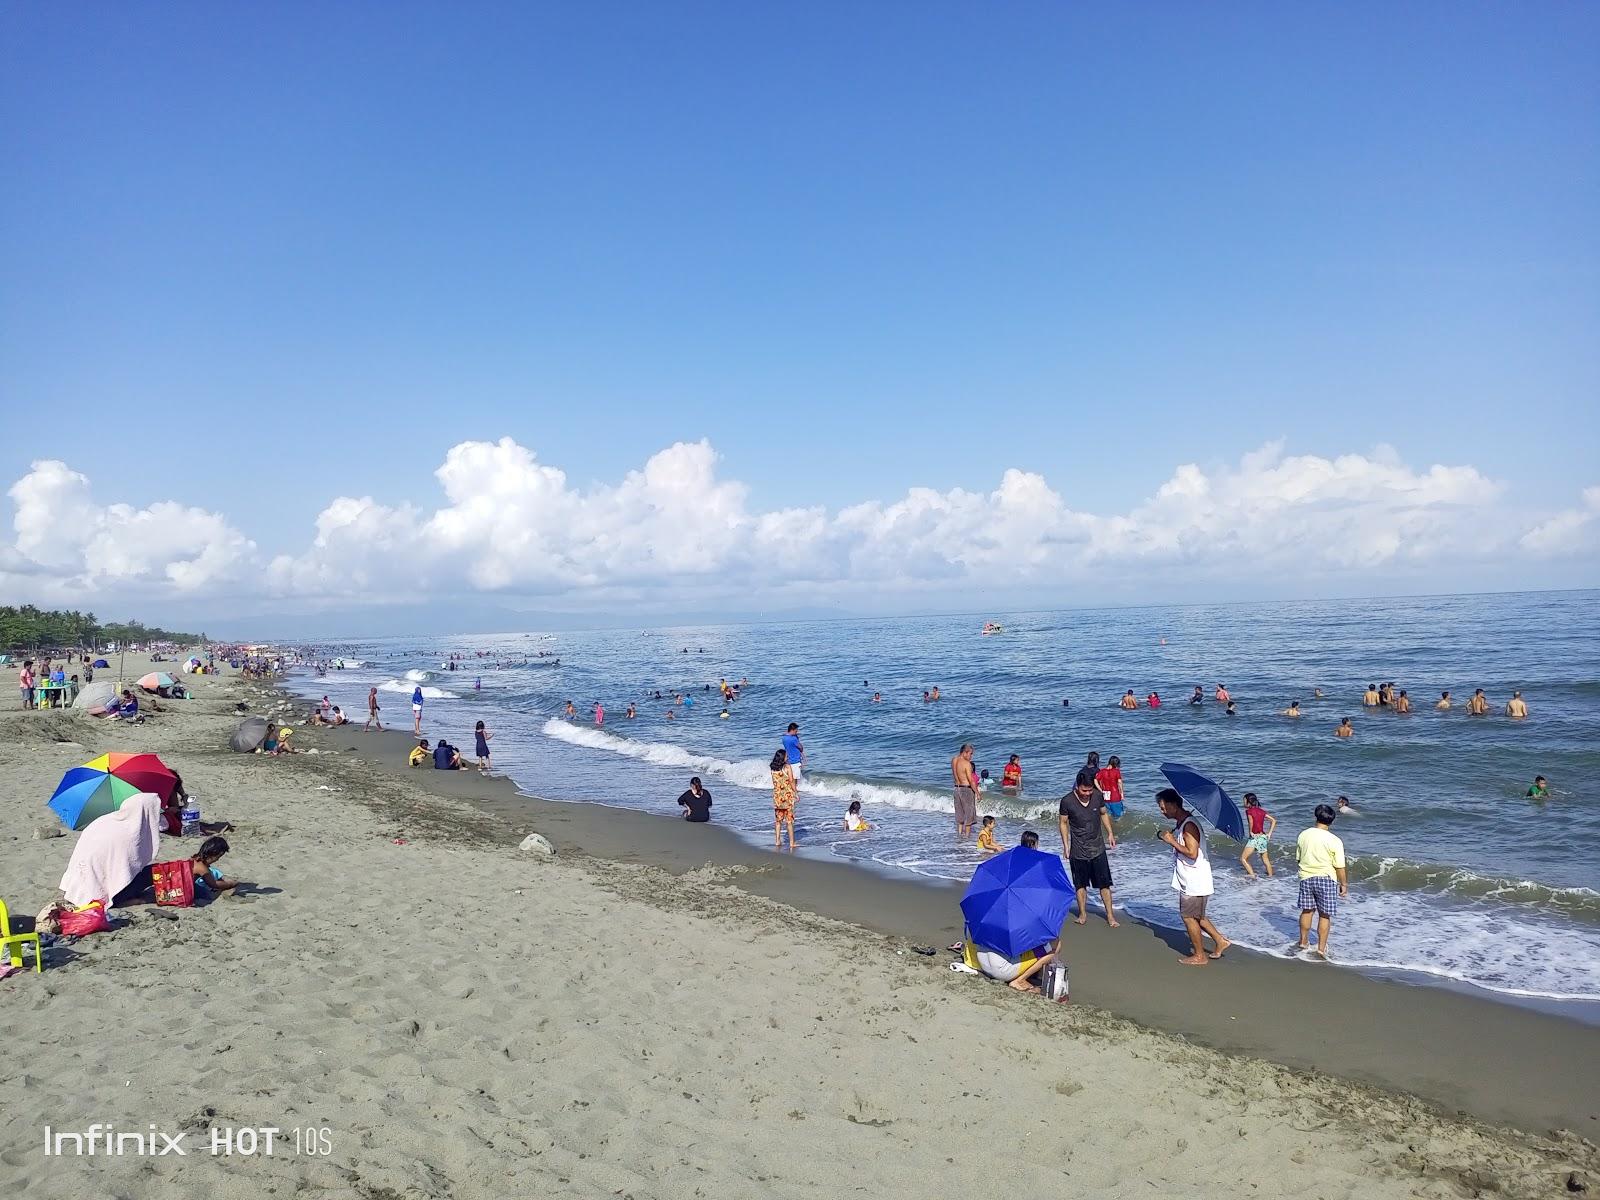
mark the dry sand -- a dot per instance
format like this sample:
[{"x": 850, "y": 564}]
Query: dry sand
[{"x": 465, "y": 1020}]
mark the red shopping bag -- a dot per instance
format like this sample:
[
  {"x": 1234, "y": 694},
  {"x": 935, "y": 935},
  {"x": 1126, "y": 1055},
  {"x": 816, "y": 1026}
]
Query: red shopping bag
[
  {"x": 174, "y": 882},
  {"x": 91, "y": 918}
]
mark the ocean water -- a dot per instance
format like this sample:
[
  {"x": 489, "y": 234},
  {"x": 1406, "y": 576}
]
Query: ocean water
[{"x": 1455, "y": 875}]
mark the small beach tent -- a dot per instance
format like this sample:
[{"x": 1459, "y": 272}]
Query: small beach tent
[
  {"x": 252, "y": 731},
  {"x": 95, "y": 695},
  {"x": 99, "y": 664}
]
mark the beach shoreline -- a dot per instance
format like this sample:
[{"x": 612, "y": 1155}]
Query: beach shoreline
[
  {"x": 663, "y": 1009},
  {"x": 1530, "y": 1074}
]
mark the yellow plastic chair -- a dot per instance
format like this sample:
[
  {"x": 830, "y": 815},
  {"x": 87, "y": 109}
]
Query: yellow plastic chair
[{"x": 11, "y": 944}]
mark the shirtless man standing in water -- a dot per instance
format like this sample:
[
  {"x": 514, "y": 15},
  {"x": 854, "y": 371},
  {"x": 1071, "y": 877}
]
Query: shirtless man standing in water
[
  {"x": 1516, "y": 707},
  {"x": 1478, "y": 706},
  {"x": 1444, "y": 702},
  {"x": 966, "y": 789}
]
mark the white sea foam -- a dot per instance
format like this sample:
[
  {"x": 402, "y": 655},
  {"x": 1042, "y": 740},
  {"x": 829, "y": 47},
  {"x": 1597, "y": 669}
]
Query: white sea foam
[
  {"x": 417, "y": 676},
  {"x": 756, "y": 774},
  {"x": 408, "y": 686}
]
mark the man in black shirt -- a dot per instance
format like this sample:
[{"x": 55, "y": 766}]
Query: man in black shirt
[
  {"x": 1085, "y": 833},
  {"x": 696, "y": 802}
]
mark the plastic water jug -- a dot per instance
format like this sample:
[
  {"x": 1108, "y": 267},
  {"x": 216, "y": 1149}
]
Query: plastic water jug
[{"x": 190, "y": 817}]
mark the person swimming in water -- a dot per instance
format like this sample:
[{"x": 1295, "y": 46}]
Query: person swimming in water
[
  {"x": 1516, "y": 707},
  {"x": 1344, "y": 730},
  {"x": 1444, "y": 702},
  {"x": 1199, "y": 696},
  {"x": 1540, "y": 789},
  {"x": 1293, "y": 710},
  {"x": 1478, "y": 706},
  {"x": 1128, "y": 701},
  {"x": 1370, "y": 698}
]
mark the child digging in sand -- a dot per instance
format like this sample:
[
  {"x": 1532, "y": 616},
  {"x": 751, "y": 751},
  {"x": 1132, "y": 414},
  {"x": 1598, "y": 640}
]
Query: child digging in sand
[{"x": 986, "y": 835}]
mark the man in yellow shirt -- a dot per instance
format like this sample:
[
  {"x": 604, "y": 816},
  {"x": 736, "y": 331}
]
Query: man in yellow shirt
[{"x": 1322, "y": 878}]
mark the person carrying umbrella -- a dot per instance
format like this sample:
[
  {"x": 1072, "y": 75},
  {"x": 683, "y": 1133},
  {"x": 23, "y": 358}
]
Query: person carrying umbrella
[
  {"x": 1014, "y": 907},
  {"x": 1191, "y": 877}
]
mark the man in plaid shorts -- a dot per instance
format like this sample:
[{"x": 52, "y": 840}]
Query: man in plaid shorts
[{"x": 1322, "y": 878}]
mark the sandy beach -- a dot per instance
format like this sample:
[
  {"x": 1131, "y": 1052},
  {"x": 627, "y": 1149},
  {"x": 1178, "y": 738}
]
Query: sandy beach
[{"x": 663, "y": 1011}]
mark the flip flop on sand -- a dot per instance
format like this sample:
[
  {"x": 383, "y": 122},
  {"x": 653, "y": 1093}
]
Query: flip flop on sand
[{"x": 961, "y": 968}]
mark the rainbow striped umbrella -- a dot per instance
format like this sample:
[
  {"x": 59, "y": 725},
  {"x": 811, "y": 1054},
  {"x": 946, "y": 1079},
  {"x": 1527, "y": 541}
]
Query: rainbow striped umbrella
[{"x": 102, "y": 784}]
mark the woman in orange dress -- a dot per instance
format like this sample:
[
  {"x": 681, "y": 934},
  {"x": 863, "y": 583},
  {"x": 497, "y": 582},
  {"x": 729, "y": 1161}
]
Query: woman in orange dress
[{"x": 783, "y": 797}]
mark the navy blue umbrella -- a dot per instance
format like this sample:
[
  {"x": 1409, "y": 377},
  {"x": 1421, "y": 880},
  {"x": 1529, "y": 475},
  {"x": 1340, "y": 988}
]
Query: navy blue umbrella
[
  {"x": 1017, "y": 901},
  {"x": 1207, "y": 799}
]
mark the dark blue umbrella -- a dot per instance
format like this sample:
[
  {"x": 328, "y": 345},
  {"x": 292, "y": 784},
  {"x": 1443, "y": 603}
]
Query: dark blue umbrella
[
  {"x": 1017, "y": 901},
  {"x": 98, "y": 663},
  {"x": 1207, "y": 799}
]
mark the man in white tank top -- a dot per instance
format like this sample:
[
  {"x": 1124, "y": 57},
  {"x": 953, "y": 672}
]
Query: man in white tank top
[{"x": 1191, "y": 878}]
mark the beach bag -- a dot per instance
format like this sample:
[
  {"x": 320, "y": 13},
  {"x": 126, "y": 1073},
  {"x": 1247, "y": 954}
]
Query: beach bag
[
  {"x": 81, "y": 922},
  {"x": 174, "y": 883},
  {"x": 1053, "y": 981}
]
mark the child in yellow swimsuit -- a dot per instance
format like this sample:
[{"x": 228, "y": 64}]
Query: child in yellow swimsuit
[{"x": 986, "y": 835}]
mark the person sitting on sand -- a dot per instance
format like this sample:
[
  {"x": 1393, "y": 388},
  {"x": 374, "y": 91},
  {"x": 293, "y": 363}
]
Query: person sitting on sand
[
  {"x": 1011, "y": 776},
  {"x": 1478, "y": 706},
  {"x": 1344, "y": 730},
  {"x": 316, "y": 717},
  {"x": 986, "y": 835},
  {"x": 1540, "y": 789},
  {"x": 446, "y": 757},
  {"x": 1293, "y": 710},
  {"x": 128, "y": 710},
  {"x": 1018, "y": 973},
  {"x": 696, "y": 802},
  {"x": 1516, "y": 707},
  {"x": 113, "y": 851},
  {"x": 203, "y": 865},
  {"x": 420, "y": 754},
  {"x": 853, "y": 820},
  {"x": 1128, "y": 700},
  {"x": 338, "y": 717}
]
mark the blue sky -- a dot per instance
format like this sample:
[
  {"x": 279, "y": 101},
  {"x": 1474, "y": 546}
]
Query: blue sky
[{"x": 292, "y": 252}]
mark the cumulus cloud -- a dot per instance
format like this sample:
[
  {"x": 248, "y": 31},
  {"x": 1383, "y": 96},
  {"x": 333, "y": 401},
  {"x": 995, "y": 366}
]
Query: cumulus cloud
[
  {"x": 1570, "y": 532},
  {"x": 678, "y": 529},
  {"x": 67, "y": 544}
]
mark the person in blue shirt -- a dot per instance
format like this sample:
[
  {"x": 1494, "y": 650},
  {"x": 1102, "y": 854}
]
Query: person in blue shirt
[
  {"x": 795, "y": 751},
  {"x": 446, "y": 757},
  {"x": 416, "y": 710}
]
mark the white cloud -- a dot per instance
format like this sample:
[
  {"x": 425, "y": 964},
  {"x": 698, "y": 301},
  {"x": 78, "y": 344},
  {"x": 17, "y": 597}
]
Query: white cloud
[
  {"x": 1573, "y": 531},
  {"x": 67, "y": 545},
  {"x": 677, "y": 531}
]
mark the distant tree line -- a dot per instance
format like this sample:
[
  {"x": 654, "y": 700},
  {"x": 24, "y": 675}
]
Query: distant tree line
[{"x": 30, "y": 628}]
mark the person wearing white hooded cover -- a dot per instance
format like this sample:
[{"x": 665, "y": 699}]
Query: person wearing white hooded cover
[{"x": 112, "y": 850}]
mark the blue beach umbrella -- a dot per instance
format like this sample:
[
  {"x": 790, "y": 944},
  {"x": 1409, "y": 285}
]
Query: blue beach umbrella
[
  {"x": 1207, "y": 799},
  {"x": 1017, "y": 900}
]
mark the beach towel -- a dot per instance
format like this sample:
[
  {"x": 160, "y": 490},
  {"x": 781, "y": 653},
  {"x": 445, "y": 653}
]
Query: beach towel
[{"x": 113, "y": 849}]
